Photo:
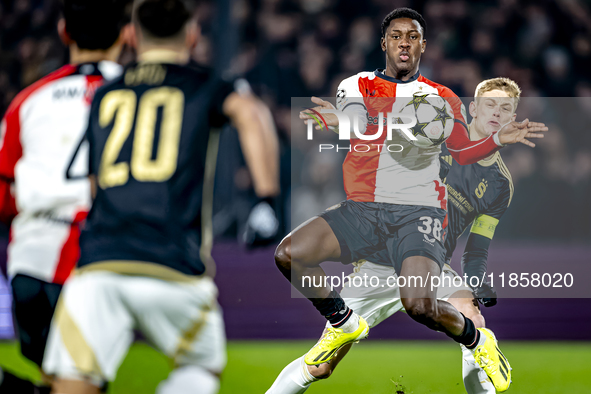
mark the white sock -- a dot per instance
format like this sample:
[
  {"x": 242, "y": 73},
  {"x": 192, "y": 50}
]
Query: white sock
[
  {"x": 481, "y": 339},
  {"x": 352, "y": 324},
  {"x": 190, "y": 379},
  {"x": 475, "y": 379},
  {"x": 294, "y": 379}
]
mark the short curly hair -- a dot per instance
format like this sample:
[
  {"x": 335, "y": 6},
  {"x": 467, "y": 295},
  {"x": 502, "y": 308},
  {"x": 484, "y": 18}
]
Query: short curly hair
[{"x": 403, "y": 13}]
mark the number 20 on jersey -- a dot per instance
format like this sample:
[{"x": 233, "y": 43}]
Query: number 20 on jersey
[{"x": 120, "y": 105}]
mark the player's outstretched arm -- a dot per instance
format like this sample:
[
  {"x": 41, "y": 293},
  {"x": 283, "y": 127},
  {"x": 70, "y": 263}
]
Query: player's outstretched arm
[
  {"x": 515, "y": 132},
  {"x": 258, "y": 140}
]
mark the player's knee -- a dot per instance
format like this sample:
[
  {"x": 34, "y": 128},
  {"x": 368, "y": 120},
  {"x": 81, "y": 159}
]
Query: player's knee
[
  {"x": 283, "y": 255},
  {"x": 420, "y": 308},
  {"x": 322, "y": 371}
]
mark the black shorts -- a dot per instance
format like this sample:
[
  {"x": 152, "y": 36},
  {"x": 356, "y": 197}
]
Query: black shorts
[
  {"x": 391, "y": 232},
  {"x": 34, "y": 302}
]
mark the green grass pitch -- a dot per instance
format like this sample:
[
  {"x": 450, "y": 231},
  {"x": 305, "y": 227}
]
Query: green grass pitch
[{"x": 387, "y": 367}]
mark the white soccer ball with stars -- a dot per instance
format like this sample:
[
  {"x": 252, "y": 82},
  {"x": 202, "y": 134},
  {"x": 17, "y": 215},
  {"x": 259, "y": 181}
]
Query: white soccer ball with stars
[{"x": 435, "y": 119}]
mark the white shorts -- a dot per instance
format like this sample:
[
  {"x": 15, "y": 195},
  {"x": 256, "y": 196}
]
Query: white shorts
[
  {"x": 92, "y": 329},
  {"x": 381, "y": 299}
]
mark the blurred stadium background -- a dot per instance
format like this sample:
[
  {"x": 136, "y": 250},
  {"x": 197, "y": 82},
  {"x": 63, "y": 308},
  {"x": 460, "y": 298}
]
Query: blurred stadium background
[{"x": 299, "y": 48}]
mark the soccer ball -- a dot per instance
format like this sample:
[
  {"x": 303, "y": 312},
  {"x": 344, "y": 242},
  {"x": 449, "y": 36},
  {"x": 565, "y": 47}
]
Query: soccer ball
[{"x": 435, "y": 119}]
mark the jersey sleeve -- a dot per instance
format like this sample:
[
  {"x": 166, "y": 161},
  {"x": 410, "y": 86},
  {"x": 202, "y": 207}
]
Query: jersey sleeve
[
  {"x": 486, "y": 223},
  {"x": 474, "y": 259},
  {"x": 350, "y": 100},
  {"x": 10, "y": 145},
  {"x": 463, "y": 150},
  {"x": 10, "y": 152}
]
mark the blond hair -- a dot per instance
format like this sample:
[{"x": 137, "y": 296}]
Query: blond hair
[{"x": 507, "y": 85}]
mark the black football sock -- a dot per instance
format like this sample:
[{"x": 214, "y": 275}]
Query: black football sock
[
  {"x": 333, "y": 308},
  {"x": 469, "y": 337}
]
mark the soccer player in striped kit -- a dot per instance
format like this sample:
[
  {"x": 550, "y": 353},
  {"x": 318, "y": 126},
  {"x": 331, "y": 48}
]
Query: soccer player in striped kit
[
  {"x": 393, "y": 201},
  {"x": 479, "y": 195},
  {"x": 39, "y": 132}
]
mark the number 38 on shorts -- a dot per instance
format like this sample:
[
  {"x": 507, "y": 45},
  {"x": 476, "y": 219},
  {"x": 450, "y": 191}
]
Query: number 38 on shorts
[{"x": 431, "y": 228}]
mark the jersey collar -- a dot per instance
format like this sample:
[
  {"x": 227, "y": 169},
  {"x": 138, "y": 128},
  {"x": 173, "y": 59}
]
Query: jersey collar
[
  {"x": 164, "y": 56},
  {"x": 489, "y": 161},
  {"x": 380, "y": 74}
]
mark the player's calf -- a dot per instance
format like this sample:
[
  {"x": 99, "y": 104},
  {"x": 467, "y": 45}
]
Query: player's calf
[
  {"x": 297, "y": 377},
  {"x": 324, "y": 371},
  {"x": 298, "y": 257},
  {"x": 422, "y": 310}
]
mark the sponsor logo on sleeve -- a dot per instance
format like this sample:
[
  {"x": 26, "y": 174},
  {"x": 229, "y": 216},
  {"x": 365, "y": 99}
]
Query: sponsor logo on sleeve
[{"x": 341, "y": 98}]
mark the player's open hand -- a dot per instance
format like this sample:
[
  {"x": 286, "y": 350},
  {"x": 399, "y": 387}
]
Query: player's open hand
[
  {"x": 330, "y": 119},
  {"x": 515, "y": 132}
]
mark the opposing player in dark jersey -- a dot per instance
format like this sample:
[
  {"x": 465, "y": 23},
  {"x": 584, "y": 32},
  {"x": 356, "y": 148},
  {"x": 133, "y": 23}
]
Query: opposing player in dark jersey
[
  {"x": 39, "y": 131},
  {"x": 479, "y": 194},
  {"x": 392, "y": 202},
  {"x": 141, "y": 266}
]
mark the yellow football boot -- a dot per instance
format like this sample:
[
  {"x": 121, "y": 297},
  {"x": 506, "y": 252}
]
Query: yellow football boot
[
  {"x": 332, "y": 340},
  {"x": 492, "y": 361}
]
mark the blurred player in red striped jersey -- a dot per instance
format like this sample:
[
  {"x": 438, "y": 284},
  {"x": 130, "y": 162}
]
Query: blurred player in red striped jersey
[
  {"x": 39, "y": 132},
  {"x": 395, "y": 202}
]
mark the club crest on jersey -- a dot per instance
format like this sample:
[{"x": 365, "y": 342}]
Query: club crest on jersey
[{"x": 481, "y": 189}]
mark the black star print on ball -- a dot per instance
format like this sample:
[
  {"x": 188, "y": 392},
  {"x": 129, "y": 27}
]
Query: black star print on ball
[
  {"x": 442, "y": 114},
  {"x": 419, "y": 128},
  {"x": 417, "y": 100}
]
